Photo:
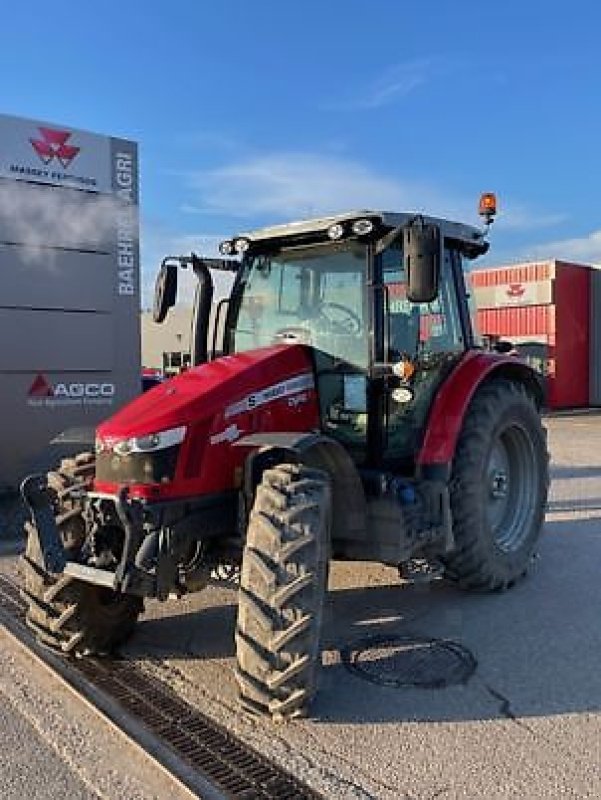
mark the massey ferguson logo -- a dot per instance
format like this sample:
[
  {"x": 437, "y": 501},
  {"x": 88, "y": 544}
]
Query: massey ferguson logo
[
  {"x": 42, "y": 393},
  {"x": 53, "y": 145},
  {"x": 516, "y": 290}
]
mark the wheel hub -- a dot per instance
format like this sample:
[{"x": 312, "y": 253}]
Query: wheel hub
[
  {"x": 511, "y": 487},
  {"x": 499, "y": 484}
]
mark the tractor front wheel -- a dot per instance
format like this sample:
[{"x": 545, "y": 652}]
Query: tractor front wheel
[
  {"x": 282, "y": 590},
  {"x": 499, "y": 488},
  {"x": 64, "y": 613}
]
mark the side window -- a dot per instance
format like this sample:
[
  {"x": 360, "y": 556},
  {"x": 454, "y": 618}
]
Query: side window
[
  {"x": 291, "y": 283},
  {"x": 425, "y": 328},
  {"x": 440, "y": 323},
  {"x": 430, "y": 335}
]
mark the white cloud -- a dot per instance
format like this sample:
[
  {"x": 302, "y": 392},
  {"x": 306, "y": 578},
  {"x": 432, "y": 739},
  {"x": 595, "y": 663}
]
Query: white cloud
[
  {"x": 520, "y": 218},
  {"x": 585, "y": 248},
  {"x": 396, "y": 82},
  {"x": 287, "y": 185},
  {"x": 296, "y": 184}
]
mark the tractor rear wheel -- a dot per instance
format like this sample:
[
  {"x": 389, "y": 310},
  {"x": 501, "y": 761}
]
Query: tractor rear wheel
[
  {"x": 64, "y": 613},
  {"x": 282, "y": 590},
  {"x": 499, "y": 488}
]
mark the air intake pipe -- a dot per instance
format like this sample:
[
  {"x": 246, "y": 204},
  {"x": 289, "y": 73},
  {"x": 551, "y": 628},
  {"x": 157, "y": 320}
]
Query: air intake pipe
[{"x": 203, "y": 300}]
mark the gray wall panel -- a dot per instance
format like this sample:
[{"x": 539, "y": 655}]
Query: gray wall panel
[
  {"x": 34, "y": 422},
  {"x": 52, "y": 216},
  {"x": 43, "y": 341},
  {"x": 61, "y": 279}
]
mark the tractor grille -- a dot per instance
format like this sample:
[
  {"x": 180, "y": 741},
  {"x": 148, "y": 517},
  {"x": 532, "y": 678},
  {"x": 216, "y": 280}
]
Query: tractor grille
[{"x": 154, "y": 467}]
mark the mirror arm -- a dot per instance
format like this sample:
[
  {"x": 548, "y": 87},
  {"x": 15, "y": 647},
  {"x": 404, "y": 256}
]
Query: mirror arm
[{"x": 385, "y": 242}]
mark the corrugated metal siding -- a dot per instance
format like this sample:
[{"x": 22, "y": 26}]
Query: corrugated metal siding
[
  {"x": 595, "y": 339},
  {"x": 517, "y": 321},
  {"x": 519, "y": 273},
  {"x": 531, "y": 329}
]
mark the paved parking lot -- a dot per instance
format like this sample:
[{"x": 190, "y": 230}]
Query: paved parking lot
[{"x": 527, "y": 724}]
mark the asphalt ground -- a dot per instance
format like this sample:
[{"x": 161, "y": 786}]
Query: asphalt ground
[
  {"x": 526, "y": 724},
  {"x": 54, "y": 746}
]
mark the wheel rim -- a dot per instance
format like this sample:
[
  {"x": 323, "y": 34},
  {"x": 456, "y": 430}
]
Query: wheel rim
[{"x": 511, "y": 487}]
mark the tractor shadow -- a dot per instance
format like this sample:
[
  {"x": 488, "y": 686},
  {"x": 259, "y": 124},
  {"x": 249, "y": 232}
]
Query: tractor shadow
[
  {"x": 568, "y": 471},
  {"x": 201, "y": 634},
  {"x": 537, "y": 646}
]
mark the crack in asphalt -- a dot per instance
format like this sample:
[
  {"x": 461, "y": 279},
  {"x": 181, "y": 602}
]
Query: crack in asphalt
[
  {"x": 321, "y": 747},
  {"x": 506, "y": 711}
]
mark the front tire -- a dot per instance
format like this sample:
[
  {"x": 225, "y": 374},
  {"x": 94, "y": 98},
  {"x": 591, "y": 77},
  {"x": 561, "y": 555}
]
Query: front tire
[
  {"x": 282, "y": 590},
  {"x": 499, "y": 488},
  {"x": 69, "y": 615}
]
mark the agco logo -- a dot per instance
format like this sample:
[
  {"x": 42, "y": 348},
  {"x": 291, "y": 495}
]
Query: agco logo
[
  {"x": 53, "y": 145},
  {"x": 44, "y": 393}
]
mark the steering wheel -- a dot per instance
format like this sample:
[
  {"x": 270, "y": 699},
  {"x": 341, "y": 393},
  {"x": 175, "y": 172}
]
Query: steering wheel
[{"x": 351, "y": 323}]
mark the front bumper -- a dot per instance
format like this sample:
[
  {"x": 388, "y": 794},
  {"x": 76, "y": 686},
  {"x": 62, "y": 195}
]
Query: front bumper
[{"x": 155, "y": 536}]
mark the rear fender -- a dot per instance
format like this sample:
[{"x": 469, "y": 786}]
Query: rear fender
[
  {"x": 315, "y": 450},
  {"x": 453, "y": 399}
]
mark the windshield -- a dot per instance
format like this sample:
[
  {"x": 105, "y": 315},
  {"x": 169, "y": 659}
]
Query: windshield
[{"x": 313, "y": 296}]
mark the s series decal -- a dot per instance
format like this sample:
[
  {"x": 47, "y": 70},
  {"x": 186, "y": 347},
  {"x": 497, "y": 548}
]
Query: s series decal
[{"x": 260, "y": 398}]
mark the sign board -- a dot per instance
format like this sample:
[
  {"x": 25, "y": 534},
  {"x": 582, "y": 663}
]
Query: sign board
[
  {"x": 69, "y": 307},
  {"x": 527, "y": 293},
  {"x": 44, "y": 153}
]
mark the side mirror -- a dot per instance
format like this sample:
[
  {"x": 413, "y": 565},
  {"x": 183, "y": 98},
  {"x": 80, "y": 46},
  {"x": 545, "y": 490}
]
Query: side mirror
[
  {"x": 421, "y": 255},
  {"x": 165, "y": 291}
]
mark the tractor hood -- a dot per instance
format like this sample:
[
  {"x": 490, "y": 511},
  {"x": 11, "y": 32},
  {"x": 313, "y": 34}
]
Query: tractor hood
[
  {"x": 176, "y": 440},
  {"x": 206, "y": 391}
]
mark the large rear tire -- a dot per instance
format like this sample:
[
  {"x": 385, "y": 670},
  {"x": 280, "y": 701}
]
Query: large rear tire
[
  {"x": 64, "y": 613},
  {"x": 499, "y": 488},
  {"x": 282, "y": 590}
]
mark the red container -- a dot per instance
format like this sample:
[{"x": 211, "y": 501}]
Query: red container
[{"x": 544, "y": 309}]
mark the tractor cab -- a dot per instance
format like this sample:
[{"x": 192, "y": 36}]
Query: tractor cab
[{"x": 379, "y": 298}]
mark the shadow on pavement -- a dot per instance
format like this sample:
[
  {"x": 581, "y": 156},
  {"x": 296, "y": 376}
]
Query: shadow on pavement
[
  {"x": 200, "y": 635},
  {"x": 565, "y": 471},
  {"x": 538, "y": 646}
]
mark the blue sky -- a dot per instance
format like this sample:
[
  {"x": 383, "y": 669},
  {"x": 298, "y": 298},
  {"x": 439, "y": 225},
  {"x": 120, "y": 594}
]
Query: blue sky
[{"x": 252, "y": 112}]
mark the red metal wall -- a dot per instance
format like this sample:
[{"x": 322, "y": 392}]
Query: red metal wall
[
  {"x": 554, "y": 336},
  {"x": 522, "y": 273},
  {"x": 572, "y": 303}
]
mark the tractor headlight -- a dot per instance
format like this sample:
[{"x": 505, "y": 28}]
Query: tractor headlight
[{"x": 151, "y": 442}]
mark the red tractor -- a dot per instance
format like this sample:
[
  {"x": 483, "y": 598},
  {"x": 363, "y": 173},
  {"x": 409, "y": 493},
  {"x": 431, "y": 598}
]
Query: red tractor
[{"x": 352, "y": 416}]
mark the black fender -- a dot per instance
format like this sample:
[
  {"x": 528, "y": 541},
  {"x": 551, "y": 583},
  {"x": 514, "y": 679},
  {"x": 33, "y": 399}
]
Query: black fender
[{"x": 349, "y": 511}]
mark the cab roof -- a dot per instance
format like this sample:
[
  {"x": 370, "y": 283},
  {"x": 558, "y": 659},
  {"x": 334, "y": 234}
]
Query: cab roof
[{"x": 466, "y": 234}]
